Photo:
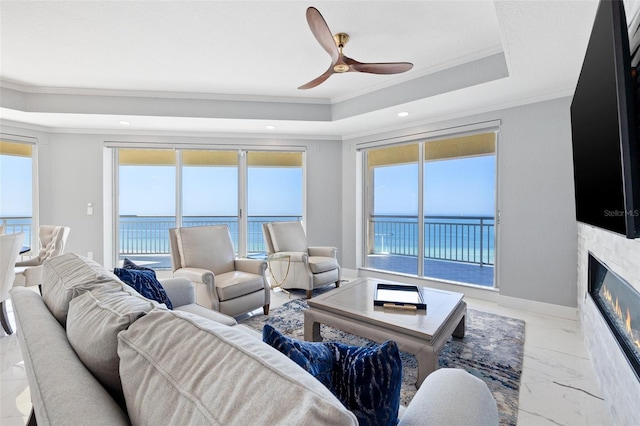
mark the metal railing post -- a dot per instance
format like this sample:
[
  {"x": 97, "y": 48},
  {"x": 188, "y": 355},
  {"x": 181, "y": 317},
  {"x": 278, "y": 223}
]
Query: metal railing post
[{"x": 481, "y": 242}]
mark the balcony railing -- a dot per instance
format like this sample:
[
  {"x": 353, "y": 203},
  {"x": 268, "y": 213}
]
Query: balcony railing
[
  {"x": 15, "y": 224},
  {"x": 468, "y": 239},
  {"x": 150, "y": 234}
]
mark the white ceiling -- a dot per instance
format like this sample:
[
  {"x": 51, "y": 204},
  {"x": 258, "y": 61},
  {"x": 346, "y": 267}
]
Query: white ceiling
[{"x": 226, "y": 51}]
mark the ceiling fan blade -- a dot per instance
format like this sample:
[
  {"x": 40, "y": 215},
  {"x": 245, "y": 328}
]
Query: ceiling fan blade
[
  {"x": 322, "y": 33},
  {"x": 381, "y": 68},
  {"x": 316, "y": 81}
]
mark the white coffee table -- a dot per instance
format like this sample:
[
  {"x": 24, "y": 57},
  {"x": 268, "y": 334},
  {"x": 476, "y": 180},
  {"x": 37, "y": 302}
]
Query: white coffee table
[{"x": 422, "y": 333}]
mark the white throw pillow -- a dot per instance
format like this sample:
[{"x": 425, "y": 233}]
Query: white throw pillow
[{"x": 95, "y": 318}]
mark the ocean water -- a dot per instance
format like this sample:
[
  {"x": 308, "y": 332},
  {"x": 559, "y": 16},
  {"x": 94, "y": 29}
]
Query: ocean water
[{"x": 447, "y": 238}]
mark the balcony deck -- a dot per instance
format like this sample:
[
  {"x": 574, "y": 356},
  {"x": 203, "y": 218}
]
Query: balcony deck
[{"x": 468, "y": 273}]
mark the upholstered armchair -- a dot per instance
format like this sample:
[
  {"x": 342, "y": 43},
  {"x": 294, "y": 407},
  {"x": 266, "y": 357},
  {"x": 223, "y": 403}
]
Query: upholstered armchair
[
  {"x": 9, "y": 248},
  {"x": 306, "y": 267},
  {"x": 52, "y": 241},
  {"x": 205, "y": 255}
]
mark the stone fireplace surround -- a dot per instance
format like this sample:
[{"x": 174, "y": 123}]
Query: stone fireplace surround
[{"x": 619, "y": 384}]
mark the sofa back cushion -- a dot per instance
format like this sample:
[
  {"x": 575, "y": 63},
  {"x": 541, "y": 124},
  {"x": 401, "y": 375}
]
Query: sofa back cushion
[
  {"x": 69, "y": 275},
  {"x": 178, "y": 368},
  {"x": 206, "y": 247},
  {"x": 94, "y": 320}
]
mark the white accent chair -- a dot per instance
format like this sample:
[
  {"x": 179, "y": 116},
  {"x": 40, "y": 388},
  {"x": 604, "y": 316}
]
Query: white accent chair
[
  {"x": 310, "y": 267},
  {"x": 9, "y": 249},
  {"x": 52, "y": 241},
  {"x": 224, "y": 283}
]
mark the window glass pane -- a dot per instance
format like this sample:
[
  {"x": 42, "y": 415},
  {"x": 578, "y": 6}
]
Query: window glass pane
[
  {"x": 16, "y": 188},
  {"x": 274, "y": 192},
  {"x": 210, "y": 189},
  {"x": 459, "y": 205},
  {"x": 146, "y": 205},
  {"x": 392, "y": 175}
]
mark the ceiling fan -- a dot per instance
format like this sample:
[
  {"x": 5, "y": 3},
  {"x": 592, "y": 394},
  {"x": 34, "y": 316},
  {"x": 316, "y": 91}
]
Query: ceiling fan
[{"x": 333, "y": 45}]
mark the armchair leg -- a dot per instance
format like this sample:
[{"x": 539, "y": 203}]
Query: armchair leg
[
  {"x": 265, "y": 309},
  {"x": 337, "y": 283},
  {"x": 309, "y": 294}
]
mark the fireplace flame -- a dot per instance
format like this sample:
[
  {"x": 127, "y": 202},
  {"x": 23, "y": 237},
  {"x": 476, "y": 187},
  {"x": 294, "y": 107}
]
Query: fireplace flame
[{"x": 625, "y": 319}]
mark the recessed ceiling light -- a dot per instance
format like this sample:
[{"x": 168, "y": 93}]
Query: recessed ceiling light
[
  {"x": 124, "y": 123},
  {"x": 270, "y": 127},
  {"x": 403, "y": 114}
]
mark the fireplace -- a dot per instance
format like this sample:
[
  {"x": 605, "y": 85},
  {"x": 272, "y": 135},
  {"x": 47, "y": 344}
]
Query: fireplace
[{"x": 619, "y": 304}]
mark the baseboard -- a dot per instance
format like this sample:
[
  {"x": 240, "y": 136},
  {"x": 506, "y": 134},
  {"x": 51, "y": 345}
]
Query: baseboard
[
  {"x": 539, "y": 307},
  {"x": 348, "y": 273}
]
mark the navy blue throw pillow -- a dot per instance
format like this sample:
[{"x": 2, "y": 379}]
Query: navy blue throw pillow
[
  {"x": 145, "y": 283},
  {"x": 129, "y": 264},
  {"x": 366, "y": 380},
  {"x": 315, "y": 357}
]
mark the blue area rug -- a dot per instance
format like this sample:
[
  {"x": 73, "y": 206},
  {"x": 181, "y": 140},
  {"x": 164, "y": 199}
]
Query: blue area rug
[{"x": 491, "y": 350}]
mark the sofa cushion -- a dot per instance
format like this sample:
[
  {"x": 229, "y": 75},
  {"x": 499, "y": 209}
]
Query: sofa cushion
[
  {"x": 145, "y": 283},
  {"x": 94, "y": 320},
  {"x": 366, "y": 380},
  {"x": 69, "y": 275},
  {"x": 209, "y": 373},
  {"x": 319, "y": 264}
]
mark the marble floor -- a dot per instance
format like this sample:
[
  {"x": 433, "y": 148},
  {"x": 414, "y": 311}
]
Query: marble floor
[{"x": 558, "y": 382}]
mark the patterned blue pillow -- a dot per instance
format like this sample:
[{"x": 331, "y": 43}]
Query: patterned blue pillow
[
  {"x": 129, "y": 264},
  {"x": 145, "y": 283},
  {"x": 366, "y": 380}
]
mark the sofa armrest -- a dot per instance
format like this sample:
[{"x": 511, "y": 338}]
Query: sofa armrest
[
  {"x": 323, "y": 251},
  {"x": 252, "y": 266},
  {"x": 180, "y": 290},
  {"x": 196, "y": 275},
  {"x": 451, "y": 396}
]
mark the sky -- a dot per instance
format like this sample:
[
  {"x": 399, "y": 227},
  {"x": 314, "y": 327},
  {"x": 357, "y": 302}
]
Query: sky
[
  {"x": 15, "y": 186},
  {"x": 452, "y": 187},
  {"x": 455, "y": 187}
]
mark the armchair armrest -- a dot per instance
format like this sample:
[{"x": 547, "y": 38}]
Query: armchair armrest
[
  {"x": 451, "y": 396},
  {"x": 180, "y": 291},
  {"x": 323, "y": 251},
  {"x": 296, "y": 256},
  {"x": 252, "y": 266},
  {"x": 34, "y": 261},
  {"x": 196, "y": 275}
]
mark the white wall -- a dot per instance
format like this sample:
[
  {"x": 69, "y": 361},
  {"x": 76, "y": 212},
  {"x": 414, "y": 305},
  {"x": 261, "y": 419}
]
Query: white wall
[
  {"x": 71, "y": 175},
  {"x": 536, "y": 253}
]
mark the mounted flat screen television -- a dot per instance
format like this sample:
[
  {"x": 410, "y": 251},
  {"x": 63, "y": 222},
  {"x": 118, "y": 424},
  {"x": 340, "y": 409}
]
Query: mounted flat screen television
[{"x": 603, "y": 124}]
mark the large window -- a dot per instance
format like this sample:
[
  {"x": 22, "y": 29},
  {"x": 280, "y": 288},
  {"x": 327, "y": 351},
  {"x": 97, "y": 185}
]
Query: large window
[
  {"x": 17, "y": 212},
  {"x": 433, "y": 218},
  {"x": 164, "y": 188}
]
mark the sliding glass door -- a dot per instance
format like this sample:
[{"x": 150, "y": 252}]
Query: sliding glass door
[
  {"x": 146, "y": 205},
  {"x": 433, "y": 217},
  {"x": 17, "y": 190},
  {"x": 210, "y": 189},
  {"x": 159, "y": 189},
  {"x": 392, "y": 220},
  {"x": 275, "y": 182}
]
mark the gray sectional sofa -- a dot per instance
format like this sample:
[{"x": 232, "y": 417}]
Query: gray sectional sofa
[{"x": 97, "y": 352}]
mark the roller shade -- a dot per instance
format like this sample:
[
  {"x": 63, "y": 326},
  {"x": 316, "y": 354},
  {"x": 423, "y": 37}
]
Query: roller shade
[
  {"x": 16, "y": 149},
  {"x": 465, "y": 146},
  {"x": 147, "y": 157},
  {"x": 274, "y": 159}
]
